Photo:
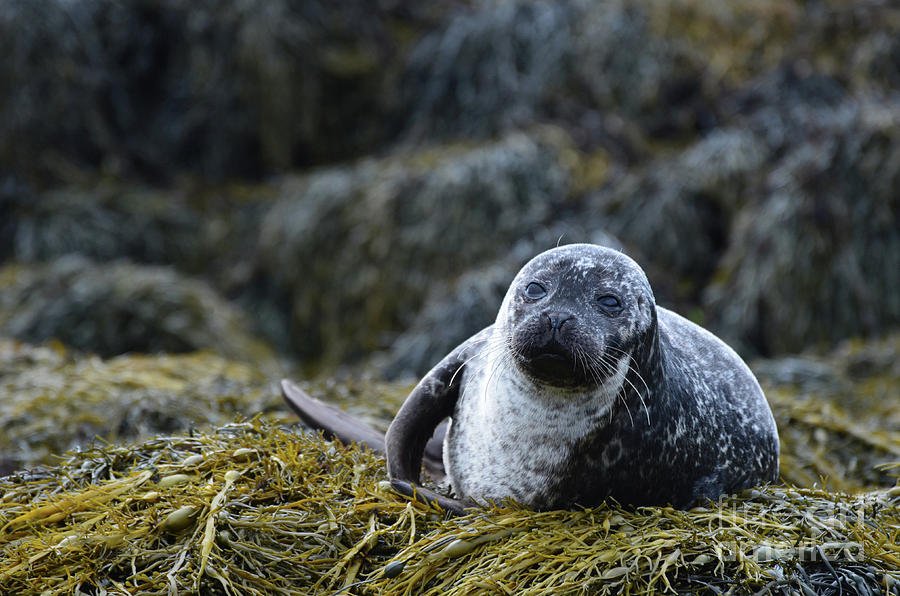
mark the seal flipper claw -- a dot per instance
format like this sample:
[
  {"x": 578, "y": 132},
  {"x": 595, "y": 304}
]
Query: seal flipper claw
[
  {"x": 421, "y": 415},
  {"x": 335, "y": 422},
  {"x": 430, "y": 497}
]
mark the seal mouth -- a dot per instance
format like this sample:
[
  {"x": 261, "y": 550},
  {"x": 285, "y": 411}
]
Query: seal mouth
[
  {"x": 551, "y": 348},
  {"x": 547, "y": 356},
  {"x": 551, "y": 364}
]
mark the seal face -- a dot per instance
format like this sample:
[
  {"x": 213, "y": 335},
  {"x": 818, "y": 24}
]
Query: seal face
[
  {"x": 582, "y": 390},
  {"x": 568, "y": 322}
]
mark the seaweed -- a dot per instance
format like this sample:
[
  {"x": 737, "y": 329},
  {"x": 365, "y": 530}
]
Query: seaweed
[
  {"x": 217, "y": 504},
  {"x": 252, "y": 508}
]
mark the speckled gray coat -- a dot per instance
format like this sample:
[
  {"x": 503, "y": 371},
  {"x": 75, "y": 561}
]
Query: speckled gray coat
[{"x": 657, "y": 409}]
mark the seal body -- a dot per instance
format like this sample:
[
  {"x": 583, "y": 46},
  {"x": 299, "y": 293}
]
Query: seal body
[{"x": 583, "y": 390}]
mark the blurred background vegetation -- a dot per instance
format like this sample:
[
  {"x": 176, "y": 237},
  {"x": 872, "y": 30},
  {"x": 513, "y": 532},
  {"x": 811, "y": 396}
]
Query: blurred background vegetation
[
  {"x": 198, "y": 197},
  {"x": 349, "y": 186}
]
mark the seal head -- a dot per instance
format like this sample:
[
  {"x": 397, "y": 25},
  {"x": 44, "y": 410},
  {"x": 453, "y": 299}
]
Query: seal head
[{"x": 570, "y": 316}]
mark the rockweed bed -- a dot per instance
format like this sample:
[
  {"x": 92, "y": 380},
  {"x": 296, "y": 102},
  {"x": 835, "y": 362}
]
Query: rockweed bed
[{"x": 253, "y": 508}]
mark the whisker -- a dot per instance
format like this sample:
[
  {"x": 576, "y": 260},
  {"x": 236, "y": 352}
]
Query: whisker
[
  {"x": 503, "y": 347},
  {"x": 636, "y": 390},
  {"x": 487, "y": 350},
  {"x": 610, "y": 369},
  {"x": 640, "y": 377}
]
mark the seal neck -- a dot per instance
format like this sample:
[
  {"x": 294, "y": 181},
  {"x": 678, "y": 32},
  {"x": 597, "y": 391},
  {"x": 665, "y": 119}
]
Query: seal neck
[{"x": 648, "y": 360}]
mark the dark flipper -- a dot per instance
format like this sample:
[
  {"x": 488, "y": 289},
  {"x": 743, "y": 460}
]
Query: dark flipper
[
  {"x": 416, "y": 435},
  {"x": 335, "y": 422},
  {"x": 430, "y": 497},
  {"x": 433, "y": 399},
  {"x": 338, "y": 424}
]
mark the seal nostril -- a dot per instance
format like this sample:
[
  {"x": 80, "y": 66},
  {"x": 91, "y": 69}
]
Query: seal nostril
[{"x": 557, "y": 320}]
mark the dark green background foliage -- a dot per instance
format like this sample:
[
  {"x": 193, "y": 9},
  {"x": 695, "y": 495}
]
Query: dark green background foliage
[{"x": 363, "y": 178}]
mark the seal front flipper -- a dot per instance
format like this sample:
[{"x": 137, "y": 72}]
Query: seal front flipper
[
  {"x": 432, "y": 400},
  {"x": 335, "y": 422}
]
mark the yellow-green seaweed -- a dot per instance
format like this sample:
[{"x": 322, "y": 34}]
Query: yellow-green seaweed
[{"x": 313, "y": 516}]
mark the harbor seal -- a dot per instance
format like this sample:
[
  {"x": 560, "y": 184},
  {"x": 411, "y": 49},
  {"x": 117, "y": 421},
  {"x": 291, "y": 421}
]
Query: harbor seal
[{"x": 582, "y": 390}]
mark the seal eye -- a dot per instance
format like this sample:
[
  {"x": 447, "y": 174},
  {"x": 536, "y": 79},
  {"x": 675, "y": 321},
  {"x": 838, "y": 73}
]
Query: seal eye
[
  {"x": 609, "y": 303},
  {"x": 534, "y": 290}
]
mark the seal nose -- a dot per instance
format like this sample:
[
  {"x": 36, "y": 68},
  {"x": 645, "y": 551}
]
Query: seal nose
[{"x": 557, "y": 320}]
